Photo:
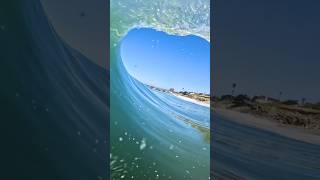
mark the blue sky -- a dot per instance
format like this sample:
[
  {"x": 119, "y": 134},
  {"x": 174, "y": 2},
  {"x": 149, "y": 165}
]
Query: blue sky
[
  {"x": 167, "y": 61},
  {"x": 266, "y": 47}
]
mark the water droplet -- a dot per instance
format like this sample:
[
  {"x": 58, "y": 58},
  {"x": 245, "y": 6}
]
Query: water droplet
[{"x": 143, "y": 144}]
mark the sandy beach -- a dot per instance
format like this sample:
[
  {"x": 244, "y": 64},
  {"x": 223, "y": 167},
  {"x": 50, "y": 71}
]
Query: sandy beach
[
  {"x": 192, "y": 100},
  {"x": 293, "y": 132}
]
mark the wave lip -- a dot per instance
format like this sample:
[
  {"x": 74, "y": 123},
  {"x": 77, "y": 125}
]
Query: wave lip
[{"x": 177, "y": 17}]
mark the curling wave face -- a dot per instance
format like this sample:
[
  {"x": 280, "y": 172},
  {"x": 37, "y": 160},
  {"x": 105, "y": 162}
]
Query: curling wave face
[
  {"x": 59, "y": 115},
  {"x": 177, "y": 17},
  {"x": 153, "y": 134}
]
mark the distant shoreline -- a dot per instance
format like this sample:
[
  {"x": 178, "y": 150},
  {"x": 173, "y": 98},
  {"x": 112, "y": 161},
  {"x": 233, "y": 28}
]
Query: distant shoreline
[
  {"x": 205, "y": 103},
  {"x": 201, "y": 99}
]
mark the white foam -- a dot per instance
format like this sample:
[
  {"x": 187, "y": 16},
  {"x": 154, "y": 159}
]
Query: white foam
[
  {"x": 177, "y": 17},
  {"x": 192, "y": 100}
]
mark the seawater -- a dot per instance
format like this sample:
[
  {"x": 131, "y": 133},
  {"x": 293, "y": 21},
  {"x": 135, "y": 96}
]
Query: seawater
[{"x": 153, "y": 134}]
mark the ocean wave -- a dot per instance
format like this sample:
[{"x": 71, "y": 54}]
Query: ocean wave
[
  {"x": 155, "y": 134},
  {"x": 63, "y": 98},
  {"x": 177, "y": 17}
]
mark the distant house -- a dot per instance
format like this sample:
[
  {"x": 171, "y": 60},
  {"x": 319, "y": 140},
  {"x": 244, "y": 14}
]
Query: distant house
[
  {"x": 264, "y": 99},
  {"x": 171, "y": 90},
  {"x": 269, "y": 99}
]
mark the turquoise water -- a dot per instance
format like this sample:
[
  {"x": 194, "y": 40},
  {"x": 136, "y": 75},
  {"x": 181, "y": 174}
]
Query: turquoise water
[{"x": 155, "y": 135}]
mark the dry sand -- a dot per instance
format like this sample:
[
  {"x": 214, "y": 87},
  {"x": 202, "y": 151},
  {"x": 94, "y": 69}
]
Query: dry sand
[{"x": 192, "y": 100}]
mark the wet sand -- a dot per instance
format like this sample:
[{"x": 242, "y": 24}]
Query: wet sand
[
  {"x": 297, "y": 133},
  {"x": 241, "y": 151}
]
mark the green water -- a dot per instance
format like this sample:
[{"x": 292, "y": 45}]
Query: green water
[{"x": 155, "y": 135}]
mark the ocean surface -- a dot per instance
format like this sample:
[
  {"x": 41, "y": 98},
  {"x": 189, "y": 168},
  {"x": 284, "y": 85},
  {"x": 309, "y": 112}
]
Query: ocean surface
[
  {"x": 242, "y": 152},
  {"x": 155, "y": 135},
  {"x": 159, "y": 136},
  {"x": 54, "y": 103}
]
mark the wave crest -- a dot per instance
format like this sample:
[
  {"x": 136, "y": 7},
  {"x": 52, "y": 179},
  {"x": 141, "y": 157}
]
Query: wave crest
[{"x": 177, "y": 17}]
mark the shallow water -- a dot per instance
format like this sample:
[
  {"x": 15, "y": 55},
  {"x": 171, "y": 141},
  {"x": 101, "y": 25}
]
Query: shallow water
[{"x": 242, "y": 152}]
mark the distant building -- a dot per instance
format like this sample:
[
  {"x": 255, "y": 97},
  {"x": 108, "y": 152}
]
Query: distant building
[
  {"x": 171, "y": 89},
  {"x": 264, "y": 99},
  {"x": 269, "y": 99},
  {"x": 260, "y": 99}
]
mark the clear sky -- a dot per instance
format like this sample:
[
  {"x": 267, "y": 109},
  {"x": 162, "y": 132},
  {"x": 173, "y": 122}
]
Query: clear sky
[
  {"x": 167, "y": 61},
  {"x": 267, "y": 46}
]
